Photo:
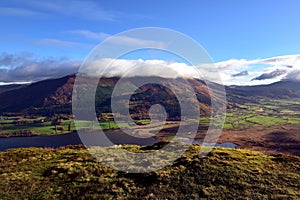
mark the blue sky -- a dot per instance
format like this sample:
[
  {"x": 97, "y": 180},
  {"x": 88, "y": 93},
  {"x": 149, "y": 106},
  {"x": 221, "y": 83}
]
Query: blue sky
[{"x": 62, "y": 31}]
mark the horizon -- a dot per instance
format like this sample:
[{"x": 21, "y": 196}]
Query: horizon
[{"x": 108, "y": 77}]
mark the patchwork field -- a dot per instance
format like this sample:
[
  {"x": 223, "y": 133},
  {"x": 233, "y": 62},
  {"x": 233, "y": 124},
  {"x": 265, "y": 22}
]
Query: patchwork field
[
  {"x": 271, "y": 126},
  {"x": 267, "y": 112},
  {"x": 22, "y": 126}
]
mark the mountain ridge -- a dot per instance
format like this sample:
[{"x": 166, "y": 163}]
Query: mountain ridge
[{"x": 58, "y": 92}]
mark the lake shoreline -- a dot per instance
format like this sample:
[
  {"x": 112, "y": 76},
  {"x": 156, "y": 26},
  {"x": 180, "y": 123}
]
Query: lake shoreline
[{"x": 73, "y": 138}]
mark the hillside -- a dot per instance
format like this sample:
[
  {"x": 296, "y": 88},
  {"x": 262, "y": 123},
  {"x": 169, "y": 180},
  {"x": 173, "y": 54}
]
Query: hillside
[
  {"x": 277, "y": 90},
  {"x": 55, "y": 95},
  {"x": 6, "y": 88},
  {"x": 33, "y": 95},
  {"x": 71, "y": 173},
  {"x": 292, "y": 86}
]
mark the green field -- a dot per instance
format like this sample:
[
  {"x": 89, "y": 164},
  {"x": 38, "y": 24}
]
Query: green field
[
  {"x": 8, "y": 126},
  {"x": 266, "y": 113}
]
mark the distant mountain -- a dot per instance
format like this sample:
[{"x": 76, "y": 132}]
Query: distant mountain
[
  {"x": 6, "y": 88},
  {"x": 278, "y": 90},
  {"x": 54, "y": 95},
  {"x": 37, "y": 94},
  {"x": 287, "y": 85}
]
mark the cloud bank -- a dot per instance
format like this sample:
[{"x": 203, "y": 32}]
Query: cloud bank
[
  {"x": 260, "y": 71},
  {"x": 130, "y": 68},
  {"x": 26, "y": 67}
]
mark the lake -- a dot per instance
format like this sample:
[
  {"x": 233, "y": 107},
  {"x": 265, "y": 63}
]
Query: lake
[
  {"x": 55, "y": 141},
  {"x": 91, "y": 139}
]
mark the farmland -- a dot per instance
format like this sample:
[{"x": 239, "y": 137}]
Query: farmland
[
  {"x": 267, "y": 113},
  {"x": 20, "y": 126}
]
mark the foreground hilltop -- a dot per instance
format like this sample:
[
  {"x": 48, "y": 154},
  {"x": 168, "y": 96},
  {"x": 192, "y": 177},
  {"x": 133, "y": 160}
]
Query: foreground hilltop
[{"x": 72, "y": 173}]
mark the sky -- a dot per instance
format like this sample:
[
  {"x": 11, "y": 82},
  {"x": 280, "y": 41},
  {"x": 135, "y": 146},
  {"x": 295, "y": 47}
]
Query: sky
[{"x": 250, "y": 42}]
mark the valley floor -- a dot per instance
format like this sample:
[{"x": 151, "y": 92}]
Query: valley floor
[{"x": 270, "y": 140}]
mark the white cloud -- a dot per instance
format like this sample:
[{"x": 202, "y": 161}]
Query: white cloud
[
  {"x": 130, "y": 68},
  {"x": 90, "y": 34},
  {"x": 289, "y": 63},
  {"x": 89, "y": 10},
  {"x": 59, "y": 43},
  {"x": 294, "y": 75},
  {"x": 26, "y": 67},
  {"x": 124, "y": 40},
  {"x": 22, "y": 12},
  {"x": 168, "y": 69}
]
